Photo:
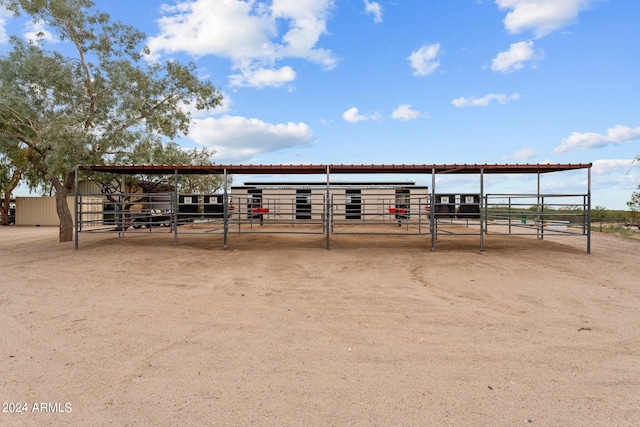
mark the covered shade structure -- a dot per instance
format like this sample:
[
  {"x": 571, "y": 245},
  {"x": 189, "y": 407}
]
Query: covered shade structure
[
  {"x": 338, "y": 169},
  {"x": 483, "y": 201}
]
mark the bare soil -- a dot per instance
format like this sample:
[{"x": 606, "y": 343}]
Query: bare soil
[{"x": 277, "y": 330}]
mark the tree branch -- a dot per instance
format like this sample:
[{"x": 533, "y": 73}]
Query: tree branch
[
  {"x": 87, "y": 73},
  {"x": 145, "y": 114}
]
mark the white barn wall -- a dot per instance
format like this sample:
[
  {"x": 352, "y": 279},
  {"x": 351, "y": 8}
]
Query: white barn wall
[
  {"x": 279, "y": 201},
  {"x": 337, "y": 195},
  {"x": 375, "y": 201},
  {"x": 420, "y": 199}
]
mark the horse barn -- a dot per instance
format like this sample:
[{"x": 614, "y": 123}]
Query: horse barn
[{"x": 328, "y": 206}]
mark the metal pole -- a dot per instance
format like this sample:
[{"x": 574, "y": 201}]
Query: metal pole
[
  {"x": 328, "y": 207},
  {"x": 481, "y": 215},
  {"x": 538, "y": 209},
  {"x": 176, "y": 210},
  {"x": 510, "y": 215},
  {"x": 589, "y": 211},
  {"x": 76, "y": 210},
  {"x": 432, "y": 210},
  {"x": 419, "y": 215},
  {"x": 240, "y": 211},
  {"x": 225, "y": 209},
  {"x": 544, "y": 223},
  {"x": 122, "y": 207}
]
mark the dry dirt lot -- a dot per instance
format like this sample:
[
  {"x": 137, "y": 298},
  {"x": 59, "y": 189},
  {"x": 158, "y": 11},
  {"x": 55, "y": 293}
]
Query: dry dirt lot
[{"x": 278, "y": 331}]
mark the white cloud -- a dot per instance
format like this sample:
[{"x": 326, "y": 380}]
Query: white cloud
[
  {"x": 238, "y": 138},
  {"x": 525, "y": 154},
  {"x": 352, "y": 115},
  {"x": 253, "y": 35},
  {"x": 617, "y": 178},
  {"x": 224, "y": 108},
  {"x": 607, "y": 166},
  {"x": 375, "y": 9},
  {"x": 424, "y": 60},
  {"x": 404, "y": 112},
  {"x": 307, "y": 22},
  {"x": 4, "y": 14},
  {"x": 589, "y": 140},
  {"x": 515, "y": 57},
  {"x": 501, "y": 98},
  {"x": 263, "y": 77},
  {"x": 541, "y": 16},
  {"x": 36, "y": 32}
]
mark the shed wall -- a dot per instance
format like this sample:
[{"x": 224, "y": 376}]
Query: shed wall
[{"x": 39, "y": 210}]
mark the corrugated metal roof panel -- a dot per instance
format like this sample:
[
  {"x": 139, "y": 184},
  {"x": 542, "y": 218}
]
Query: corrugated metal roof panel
[{"x": 336, "y": 169}]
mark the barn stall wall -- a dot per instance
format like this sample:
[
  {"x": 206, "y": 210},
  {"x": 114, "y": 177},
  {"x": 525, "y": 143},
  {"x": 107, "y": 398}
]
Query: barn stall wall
[{"x": 348, "y": 201}]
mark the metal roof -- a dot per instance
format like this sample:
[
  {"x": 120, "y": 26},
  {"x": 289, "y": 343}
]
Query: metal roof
[
  {"x": 336, "y": 169},
  {"x": 252, "y": 184}
]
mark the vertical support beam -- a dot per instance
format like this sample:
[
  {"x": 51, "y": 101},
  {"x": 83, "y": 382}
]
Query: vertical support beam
[
  {"x": 328, "y": 207},
  {"x": 482, "y": 211},
  {"x": 75, "y": 238},
  {"x": 176, "y": 206},
  {"x": 542, "y": 221},
  {"x": 122, "y": 206},
  {"x": 509, "y": 215},
  {"x": 419, "y": 213},
  {"x": 589, "y": 211},
  {"x": 225, "y": 209},
  {"x": 538, "y": 209},
  {"x": 432, "y": 218}
]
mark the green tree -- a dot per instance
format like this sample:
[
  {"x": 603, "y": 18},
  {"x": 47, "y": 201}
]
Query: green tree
[
  {"x": 634, "y": 202},
  {"x": 65, "y": 109},
  {"x": 12, "y": 168},
  {"x": 155, "y": 152},
  {"x": 634, "y": 205},
  {"x": 599, "y": 213}
]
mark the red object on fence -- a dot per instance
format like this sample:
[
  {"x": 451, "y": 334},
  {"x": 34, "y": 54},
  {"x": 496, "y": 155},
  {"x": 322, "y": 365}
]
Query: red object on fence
[
  {"x": 260, "y": 210},
  {"x": 397, "y": 211},
  {"x": 231, "y": 207}
]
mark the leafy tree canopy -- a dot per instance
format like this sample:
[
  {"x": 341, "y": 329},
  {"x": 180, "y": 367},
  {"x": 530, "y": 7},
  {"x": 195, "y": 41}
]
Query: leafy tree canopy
[
  {"x": 65, "y": 109},
  {"x": 634, "y": 202},
  {"x": 148, "y": 152}
]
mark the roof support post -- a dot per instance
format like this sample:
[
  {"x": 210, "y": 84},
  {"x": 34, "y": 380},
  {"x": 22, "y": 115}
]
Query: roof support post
[
  {"x": 432, "y": 210},
  {"x": 589, "y": 210},
  {"x": 123, "y": 206},
  {"x": 538, "y": 223},
  {"x": 482, "y": 211},
  {"x": 176, "y": 210},
  {"x": 225, "y": 209},
  {"x": 75, "y": 238},
  {"x": 327, "y": 208}
]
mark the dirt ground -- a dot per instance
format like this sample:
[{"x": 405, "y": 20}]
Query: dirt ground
[{"x": 278, "y": 331}]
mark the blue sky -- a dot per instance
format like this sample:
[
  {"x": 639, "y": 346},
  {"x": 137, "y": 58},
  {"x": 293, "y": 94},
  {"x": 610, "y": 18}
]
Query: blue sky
[{"x": 439, "y": 81}]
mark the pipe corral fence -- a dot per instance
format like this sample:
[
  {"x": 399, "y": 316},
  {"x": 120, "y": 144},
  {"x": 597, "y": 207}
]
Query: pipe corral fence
[{"x": 333, "y": 209}]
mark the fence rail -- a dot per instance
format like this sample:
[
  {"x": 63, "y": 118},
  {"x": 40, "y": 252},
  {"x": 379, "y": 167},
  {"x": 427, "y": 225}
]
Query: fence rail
[
  {"x": 550, "y": 214},
  {"x": 392, "y": 214}
]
